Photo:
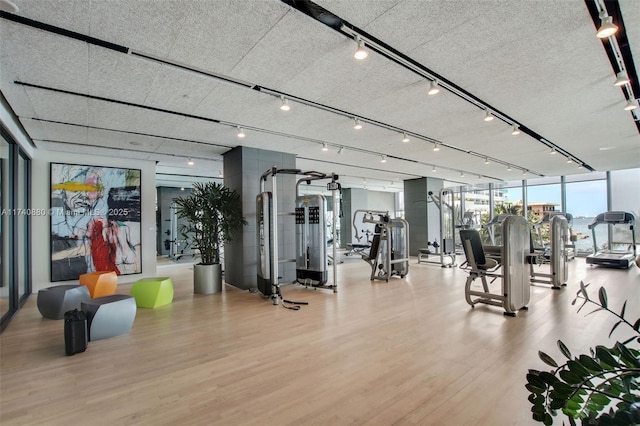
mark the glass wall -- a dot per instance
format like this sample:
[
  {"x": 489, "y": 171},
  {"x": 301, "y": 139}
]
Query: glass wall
[
  {"x": 584, "y": 196},
  {"x": 543, "y": 195},
  {"x": 15, "y": 228},
  {"x": 585, "y": 200},
  {"x": 4, "y": 199}
]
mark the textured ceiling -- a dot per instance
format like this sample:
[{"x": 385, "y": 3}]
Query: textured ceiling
[{"x": 537, "y": 62}]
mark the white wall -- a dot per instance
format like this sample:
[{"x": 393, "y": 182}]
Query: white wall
[
  {"x": 40, "y": 197},
  {"x": 378, "y": 200}
]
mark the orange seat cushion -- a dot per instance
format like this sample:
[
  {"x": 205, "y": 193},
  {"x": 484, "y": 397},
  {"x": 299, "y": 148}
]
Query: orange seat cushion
[{"x": 100, "y": 283}]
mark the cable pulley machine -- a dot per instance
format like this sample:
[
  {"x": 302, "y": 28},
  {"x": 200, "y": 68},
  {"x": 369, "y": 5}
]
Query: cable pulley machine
[{"x": 310, "y": 234}]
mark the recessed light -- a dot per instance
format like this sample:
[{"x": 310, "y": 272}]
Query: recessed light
[
  {"x": 136, "y": 143},
  {"x": 607, "y": 148}
]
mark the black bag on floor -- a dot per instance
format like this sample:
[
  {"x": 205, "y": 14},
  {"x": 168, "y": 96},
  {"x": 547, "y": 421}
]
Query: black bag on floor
[{"x": 75, "y": 332}]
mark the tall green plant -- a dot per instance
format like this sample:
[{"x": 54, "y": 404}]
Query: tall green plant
[
  {"x": 584, "y": 386},
  {"x": 213, "y": 214}
]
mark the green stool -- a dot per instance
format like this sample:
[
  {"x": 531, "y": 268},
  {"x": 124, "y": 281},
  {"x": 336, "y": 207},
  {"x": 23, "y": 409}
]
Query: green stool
[{"x": 152, "y": 292}]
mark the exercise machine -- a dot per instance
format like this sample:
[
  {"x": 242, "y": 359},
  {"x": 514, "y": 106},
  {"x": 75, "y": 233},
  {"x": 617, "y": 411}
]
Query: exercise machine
[
  {"x": 510, "y": 266},
  {"x": 541, "y": 234},
  {"x": 445, "y": 250},
  {"x": 555, "y": 254},
  {"x": 389, "y": 253},
  {"x": 609, "y": 256},
  {"x": 310, "y": 234}
]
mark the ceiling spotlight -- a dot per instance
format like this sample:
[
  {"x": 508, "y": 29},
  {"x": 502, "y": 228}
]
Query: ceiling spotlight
[
  {"x": 433, "y": 169},
  {"x": 486, "y": 160},
  {"x": 553, "y": 151},
  {"x": 182, "y": 189},
  {"x": 285, "y": 104},
  {"x": 341, "y": 150},
  {"x": 607, "y": 28},
  {"x": 383, "y": 158},
  {"x": 488, "y": 116},
  {"x": 358, "y": 124},
  {"x": 631, "y": 105},
  {"x": 580, "y": 166},
  {"x": 360, "y": 52},
  {"x": 433, "y": 88},
  {"x": 220, "y": 174},
  {"x": 436, "y": 147},
  {"x": 240, "y": 132},
  {"x": 190, "y": 162},
  {"x": 461, "y": 174},
  {"x": 524, "y": 173},
  {"x": 405, "y": 139},
  {"x": 325, "y": 147},
  {"x": 569, "y": 160},
  {"x": 622, "y": 78},
  {"x": 515, "y": 130},
  {"x": 509, "y": 168},
  {"x": 8, "y": 6},
  {"x": 479, "y": 177}
]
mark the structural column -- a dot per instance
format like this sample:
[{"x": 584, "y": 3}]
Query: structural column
[{"x": 243, "y": 167}]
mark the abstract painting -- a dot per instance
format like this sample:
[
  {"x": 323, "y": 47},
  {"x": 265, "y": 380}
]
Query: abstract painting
[{"x": 95, "y": 220}]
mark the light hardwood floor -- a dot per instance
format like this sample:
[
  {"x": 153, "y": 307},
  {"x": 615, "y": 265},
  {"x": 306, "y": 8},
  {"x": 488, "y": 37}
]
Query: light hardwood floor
[{"x": 406, "y": 352}]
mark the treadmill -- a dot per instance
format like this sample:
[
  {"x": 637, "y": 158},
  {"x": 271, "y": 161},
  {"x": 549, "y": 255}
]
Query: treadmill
[{"x": 609, "y": 257}]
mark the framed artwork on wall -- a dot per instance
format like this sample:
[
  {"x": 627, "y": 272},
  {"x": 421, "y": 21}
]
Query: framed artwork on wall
[{"x": 95, "y": 220}]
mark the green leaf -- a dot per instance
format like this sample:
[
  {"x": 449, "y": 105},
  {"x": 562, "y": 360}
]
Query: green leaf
[
  {"x": 614, "y": 327},
  {"x": 572, "y": 405},
  {"x": 548, "y": 378},
  {"x": 636, "y": 325},
  {"x": 548, "y": 420},
  {"x": 577, "y": 368},
  {"x": 590, "y": 363},
  {"x": 547, "y": 359},
  {"x": 534, "y": 389},
  {"x": 536, "y": 381},
  {"x": 563, "y": 348},
  {"x": 570, "y": 377},
  {"x": 624, "y": 308},
  {"x": 627, "y": 355},
  {"x": 604, "y": 355},
  {"x": 600, "y": 399},
  {"x": 602, "y": 294}
]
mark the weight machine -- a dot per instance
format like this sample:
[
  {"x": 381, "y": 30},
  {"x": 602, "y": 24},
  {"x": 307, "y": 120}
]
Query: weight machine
[
  {"x": 389, "y": 253},
  {"x": 446, "y": 249},
  {"x": 508, "y": 264},
  {"x": 310, "y": 229},
  {"x": 556, "y": 253}
]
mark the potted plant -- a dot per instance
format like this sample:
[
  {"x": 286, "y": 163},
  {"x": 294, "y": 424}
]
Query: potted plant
[
  {"x": 213, "y": 214},
  {"x": 599, "y": 388}
]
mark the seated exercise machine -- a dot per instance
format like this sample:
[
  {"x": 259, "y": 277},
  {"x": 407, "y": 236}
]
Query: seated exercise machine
[
  {"x": 445, "y": 250},
  {"x": 541, "y": 234},
  {"x": 609, "y": 256},
  {"x": 389, "y": 253},
  {"x": 556, "y": 253},
  {"x": 310, "y": 234},
  {"x": 509, "y": 265}
]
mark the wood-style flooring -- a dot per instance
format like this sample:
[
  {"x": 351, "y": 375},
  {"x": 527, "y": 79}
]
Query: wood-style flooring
[{"x": 406, "y": 352}]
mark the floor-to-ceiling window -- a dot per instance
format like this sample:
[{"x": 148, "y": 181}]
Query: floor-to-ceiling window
[
  {"x": 4, "y": 199},
  {"x": 586, "y": 197},
  {"x": 15, "y": 228},
  {"x": 543, "y": 196}
]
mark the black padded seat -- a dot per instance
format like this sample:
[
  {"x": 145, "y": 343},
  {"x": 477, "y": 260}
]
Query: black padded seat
[{"x": 477, "y": 256}]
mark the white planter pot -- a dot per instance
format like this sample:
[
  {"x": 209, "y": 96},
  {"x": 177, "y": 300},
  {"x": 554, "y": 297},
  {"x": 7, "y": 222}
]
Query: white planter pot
[{"x": 207, "y": 279}]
